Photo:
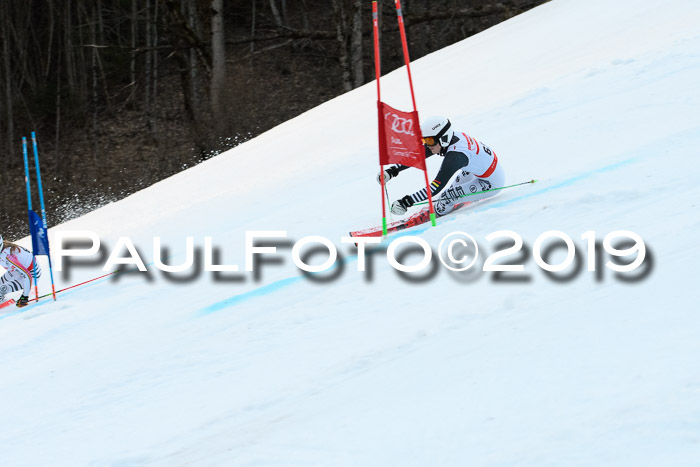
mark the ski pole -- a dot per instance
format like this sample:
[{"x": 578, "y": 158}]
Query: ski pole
[
  {"x": 76, "y": 285},
  {"x": 492, "y": 189},
  {"x": 388, "y": 201}
]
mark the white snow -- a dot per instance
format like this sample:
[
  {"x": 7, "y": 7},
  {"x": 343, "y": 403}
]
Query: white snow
[{"x": 598, "y": 100}]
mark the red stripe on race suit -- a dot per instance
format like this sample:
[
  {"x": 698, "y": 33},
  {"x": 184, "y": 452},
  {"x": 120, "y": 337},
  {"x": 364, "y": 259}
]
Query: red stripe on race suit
[
  {"x": 469, "y": 141},
  {"x": 491, "y": 168}
]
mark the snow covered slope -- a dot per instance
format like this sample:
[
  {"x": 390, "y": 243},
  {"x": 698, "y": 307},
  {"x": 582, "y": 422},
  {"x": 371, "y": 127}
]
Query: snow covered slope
[{"x": 598, "y": 100}]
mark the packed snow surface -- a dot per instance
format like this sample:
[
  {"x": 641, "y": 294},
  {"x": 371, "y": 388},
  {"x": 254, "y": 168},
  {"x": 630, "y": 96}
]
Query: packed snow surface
[{"x": 597, "y": 100}]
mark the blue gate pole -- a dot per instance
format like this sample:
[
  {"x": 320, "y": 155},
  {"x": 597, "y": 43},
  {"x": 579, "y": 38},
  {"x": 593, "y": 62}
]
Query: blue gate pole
[
  {"x": 29, "y": 203},
  {"x": 26, "y": 172},
  {"x": 43, "y": 210}
]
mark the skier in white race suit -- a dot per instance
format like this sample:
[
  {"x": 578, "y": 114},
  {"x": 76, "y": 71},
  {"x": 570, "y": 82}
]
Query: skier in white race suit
[
  {"x": 21, "y": 267},
  {"x": 469, "y": 166}
]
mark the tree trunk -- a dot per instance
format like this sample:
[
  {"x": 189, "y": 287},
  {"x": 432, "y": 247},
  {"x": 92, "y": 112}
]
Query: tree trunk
[
  {"x": 285, "y": 21},
  {"x": 83, "y": 18},
  {"x": 134, "y": 31},
  {"x": 356, "y": 46},
  {"x": 252, "y": 29},
  {"x": 276, "y": 13},
  {"x": 100, "y": 21},
  {"x": 305, "y": 16},
  {"x": 58, "y": 105},
  {"x": 218, "y": 56},
  {"x": 47, "y": 68},
  {"x": 68, "y": 46},
  {"x": 155, "y": 72},
  {"x": 341, "y": 36},
  {"x": 193, "y": 24},
  {"x": 8, "y": 81},
  {"x": 186, "y": 45},
  {"x": 93, "y": 38},
  {"x": 147, "y": 64}
]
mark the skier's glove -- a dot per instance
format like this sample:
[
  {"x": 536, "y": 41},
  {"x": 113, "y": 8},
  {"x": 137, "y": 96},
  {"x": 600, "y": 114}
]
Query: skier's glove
[
  {"x": 23, "y": 301},
  {"x": 400, "y": 206},
  {"x": 391, "y": 172},
  {"x": 387, "y": 177}
]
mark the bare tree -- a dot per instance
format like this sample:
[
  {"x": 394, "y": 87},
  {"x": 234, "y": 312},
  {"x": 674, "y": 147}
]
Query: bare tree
[
  {"x": 349, "y": 38},
  {"x": 341, "y": 35},
  {"x": 134, "y": 34},
  {"x": 218, "y": 56},
  {"x": 252, "y": 28},
  {"x": 276, "y": 14},
  {"x": 356, "y": 62},
  {"x": 93, "y": 69},
  {"x": 68, "y": 45},
  {"x": 4, "y": 24},
  {"x": 154, "y": 76}
]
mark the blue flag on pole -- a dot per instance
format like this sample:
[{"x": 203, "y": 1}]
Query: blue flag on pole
[{"x": 40, "y": 239}]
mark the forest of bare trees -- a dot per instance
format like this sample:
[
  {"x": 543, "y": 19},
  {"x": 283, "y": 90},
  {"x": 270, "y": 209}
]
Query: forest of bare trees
[{"x": 123, "y": 93}]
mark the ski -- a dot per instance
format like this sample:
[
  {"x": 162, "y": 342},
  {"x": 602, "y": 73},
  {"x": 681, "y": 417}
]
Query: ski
[
  {"x": 421, "y": 217},
  {"x": 418, "y": 218}
]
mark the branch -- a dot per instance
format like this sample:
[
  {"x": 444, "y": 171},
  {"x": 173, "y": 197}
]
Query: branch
[
  {"x": 475, "y": 12},
  {"x": 286, "y": 34},
  {"x": 388, "y": 26}
]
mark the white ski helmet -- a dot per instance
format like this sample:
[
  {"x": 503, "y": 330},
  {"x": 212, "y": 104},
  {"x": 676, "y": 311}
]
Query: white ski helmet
[{"x": 437, "y": 129}]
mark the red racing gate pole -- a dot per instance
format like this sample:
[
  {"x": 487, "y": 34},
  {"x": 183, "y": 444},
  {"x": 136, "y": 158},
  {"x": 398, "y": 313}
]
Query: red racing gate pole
[
  {"x": 377, "y": 69},
  {"x": 404, "y": 44}
]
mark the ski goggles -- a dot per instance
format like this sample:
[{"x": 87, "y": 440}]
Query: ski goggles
[{"x": 430, "y": 140}]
